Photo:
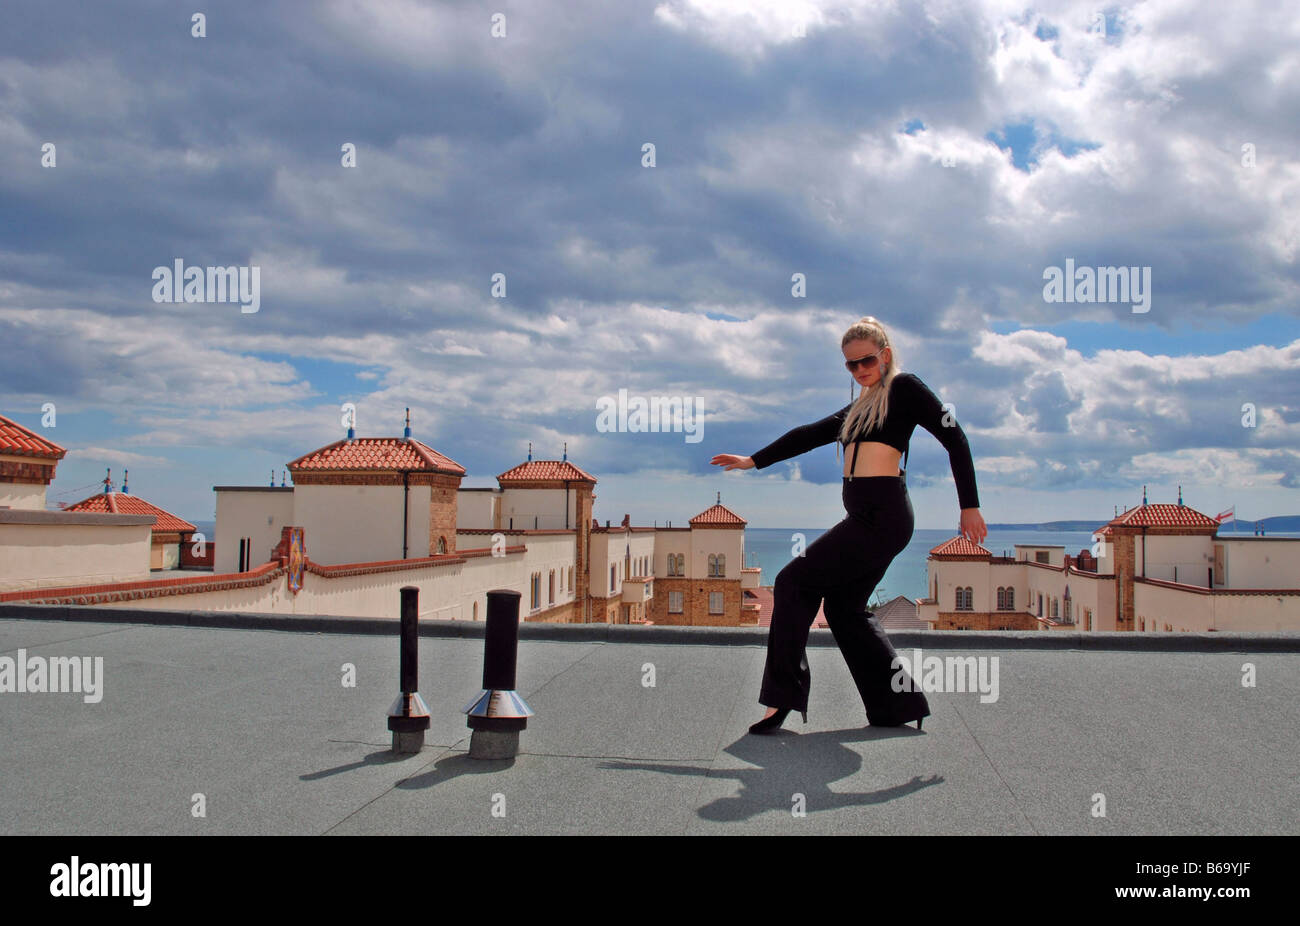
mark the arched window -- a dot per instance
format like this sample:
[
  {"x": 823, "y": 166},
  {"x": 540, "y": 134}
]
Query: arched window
[
  {"x": 1011, "y": 599},
  {"x": 713, "y": 565},
  {"x": 722, "y": 564},
  {"x": 1002, "y": 598},
  {"x": 442, "y": 544}
]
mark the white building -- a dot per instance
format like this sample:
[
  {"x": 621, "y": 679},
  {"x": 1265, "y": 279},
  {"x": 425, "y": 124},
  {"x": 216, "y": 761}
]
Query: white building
[
  {"x": 366, "y": 516},
  {"x": 1159, "y": 567}
]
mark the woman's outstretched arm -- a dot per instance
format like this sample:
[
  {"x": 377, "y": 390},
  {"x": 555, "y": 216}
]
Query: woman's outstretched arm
[{"x": 801, "y": 440}]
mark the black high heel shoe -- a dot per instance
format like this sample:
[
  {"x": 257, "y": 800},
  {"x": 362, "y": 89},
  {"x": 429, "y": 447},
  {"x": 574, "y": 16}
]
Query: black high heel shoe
[{"x": 769, "y": 724}]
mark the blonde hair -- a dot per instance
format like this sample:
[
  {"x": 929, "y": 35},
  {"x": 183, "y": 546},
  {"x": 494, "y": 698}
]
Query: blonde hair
[{"x": 871, "y": 406}]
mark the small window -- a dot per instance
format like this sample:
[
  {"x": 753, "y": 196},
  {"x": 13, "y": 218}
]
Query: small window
[
  {"x": 715, "y": 602},
  {"x": 674, "y": 602}
]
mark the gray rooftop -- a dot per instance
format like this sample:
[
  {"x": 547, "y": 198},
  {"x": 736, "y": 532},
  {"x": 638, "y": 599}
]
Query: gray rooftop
[{"x": 257, "y": 720}]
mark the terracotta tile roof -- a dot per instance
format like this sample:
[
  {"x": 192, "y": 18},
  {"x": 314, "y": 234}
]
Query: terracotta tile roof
[
  {"x": 16, "y": 439},
  {"x": 124, "y": 503},
  {"x": 718, "y": 514},
  {"x": 1164, "y": 515},
  {"x": 899, "y": 613},
  {"x": 1102, "y": 531},
  {"x": 386, "y": 454},
  {"x": 960, "y": 546},
  {"x": 534, "y": 470}
]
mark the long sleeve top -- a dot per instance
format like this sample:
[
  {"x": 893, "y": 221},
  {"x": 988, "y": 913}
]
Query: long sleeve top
[{"x": 910, "y": 403}]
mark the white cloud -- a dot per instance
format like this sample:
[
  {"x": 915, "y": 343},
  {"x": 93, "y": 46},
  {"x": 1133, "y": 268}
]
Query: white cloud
[{"x": 114, "y": 456}]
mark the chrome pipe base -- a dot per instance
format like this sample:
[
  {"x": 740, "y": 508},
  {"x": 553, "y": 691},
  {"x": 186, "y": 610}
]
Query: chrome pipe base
[
  {"x": 408, "y": 718},
  {"x": 498, "y": 703}
]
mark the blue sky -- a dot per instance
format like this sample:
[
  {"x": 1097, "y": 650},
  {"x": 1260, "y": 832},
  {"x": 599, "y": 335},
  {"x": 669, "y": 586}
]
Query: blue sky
[{"x": 924, "y": 163}]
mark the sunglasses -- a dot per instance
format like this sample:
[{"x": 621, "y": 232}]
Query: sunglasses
[{"x": 867, "y": 362}]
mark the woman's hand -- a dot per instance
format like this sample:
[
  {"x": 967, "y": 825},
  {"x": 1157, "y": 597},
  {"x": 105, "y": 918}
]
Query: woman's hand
[
  {"x": 972, "y": 525},
  {"x": 730, "y": 461}
]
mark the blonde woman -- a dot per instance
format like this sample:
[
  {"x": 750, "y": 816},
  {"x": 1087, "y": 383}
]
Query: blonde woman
[{"x": 844, "y": 565}]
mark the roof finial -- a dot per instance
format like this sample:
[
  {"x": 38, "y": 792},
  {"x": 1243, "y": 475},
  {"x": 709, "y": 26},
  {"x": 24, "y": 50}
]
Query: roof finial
[
  {"x": 719, "y": 501},
  {"x": 126, "y": 474},
  {"x": 1180, "y": 496},
  {"x": 108, "y": 480},
  {"x": 530, "y": 451},
  {"x": 272, "y": 478},
  {"x": 566, "y": 451},
  {"x": 407, "y": 435},
  {"x": 1144, "y": 496},
  {"x": 282, "y": 475}
]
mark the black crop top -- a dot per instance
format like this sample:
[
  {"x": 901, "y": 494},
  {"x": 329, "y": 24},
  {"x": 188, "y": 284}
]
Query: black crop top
[{"x": 910, "y": 403}]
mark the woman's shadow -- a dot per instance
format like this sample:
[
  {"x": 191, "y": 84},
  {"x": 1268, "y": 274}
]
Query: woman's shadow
[{"x": 789, "y": 765}]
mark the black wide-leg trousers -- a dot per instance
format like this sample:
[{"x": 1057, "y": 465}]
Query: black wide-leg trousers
[{"x": 840, "y": 570}]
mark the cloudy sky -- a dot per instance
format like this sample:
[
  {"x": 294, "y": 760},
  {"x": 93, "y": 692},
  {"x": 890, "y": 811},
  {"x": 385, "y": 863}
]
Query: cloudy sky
[{"x": 925, "y": 163}]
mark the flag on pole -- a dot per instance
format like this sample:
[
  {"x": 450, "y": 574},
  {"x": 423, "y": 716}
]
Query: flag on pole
[{"x": 1223, "y": 514}]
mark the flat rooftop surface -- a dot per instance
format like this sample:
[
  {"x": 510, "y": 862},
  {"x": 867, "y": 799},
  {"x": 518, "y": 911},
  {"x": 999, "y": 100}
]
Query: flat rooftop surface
[{"x": 260, "y": 724}]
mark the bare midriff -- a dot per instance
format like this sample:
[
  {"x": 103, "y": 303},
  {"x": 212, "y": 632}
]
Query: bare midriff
[{"x": 871, "y": 458}]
